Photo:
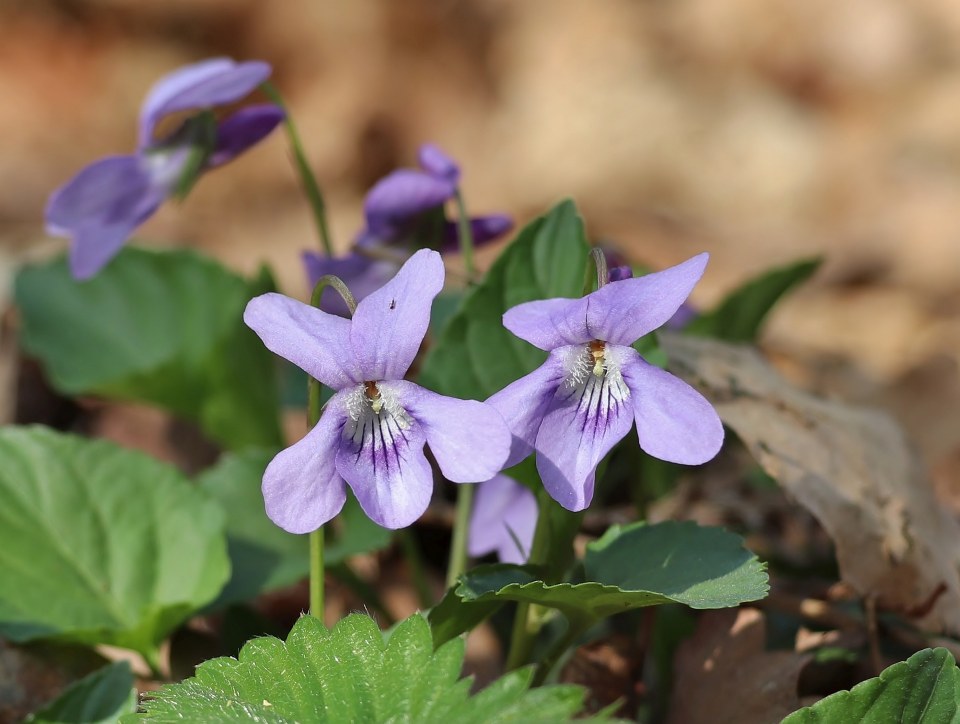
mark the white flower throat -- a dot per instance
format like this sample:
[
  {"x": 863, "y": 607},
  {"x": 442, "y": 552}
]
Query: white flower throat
[{"x": 593, "y": 376}]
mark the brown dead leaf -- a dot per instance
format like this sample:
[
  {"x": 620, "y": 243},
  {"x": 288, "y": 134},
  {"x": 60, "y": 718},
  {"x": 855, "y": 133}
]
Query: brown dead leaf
[
  {"x": 733, "y": 678},
  {"x": 850, "y": 467}
]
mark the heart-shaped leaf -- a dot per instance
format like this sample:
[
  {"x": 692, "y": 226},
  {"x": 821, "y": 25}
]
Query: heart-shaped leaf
[
  {"x": 159, "y": 327},
  {"x": 99, "y": 544},
  {"x": 350, "y": 673},
  {"x": 629, "y": 567},
  {"x": 98, "y": 698}
]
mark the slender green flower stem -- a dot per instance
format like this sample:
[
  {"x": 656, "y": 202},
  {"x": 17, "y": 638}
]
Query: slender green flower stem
[
  {"x": 411, "y": 552},
  {"x": 575, "y": 628},
  {"x": 461, "y": 524},
  {"x": 458, "y": 546},
  {"x": 528, "y": 618},
  {"x": 465, "y": 235},
  {"x": 310, "y": 186},
  {"x": 313, "y": 417}
]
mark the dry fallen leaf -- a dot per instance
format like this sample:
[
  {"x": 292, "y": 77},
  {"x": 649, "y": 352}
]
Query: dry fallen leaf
[
  {"x": 723, "y": 675},
  {"x": 850, "y": 467}
]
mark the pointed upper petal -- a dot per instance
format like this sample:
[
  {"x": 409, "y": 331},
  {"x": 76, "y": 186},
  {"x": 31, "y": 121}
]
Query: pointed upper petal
[
  {"x": 360, "y": 273},
  {"x": 622, "y": 312},
  {"x": 381, "y": 458},
  {"x": 469, "y": 439},
  {"x": 401, "y": 195},
  {"x": 317, "y": 342},
  {"x": 243, "y": 129},
  {"x": 436, "y": 163},
  {"x": 523, "y": 403},
  {"x": 301, "y": 487},
  {"x": 674, "y": 421},
  {"x": 390, "y": 323},
  {"x": 503, "y": 509},
  {"x": 585, "y": 419},
  {"x": 549, "y": 323},
  {"x": 206, "y": 84}
]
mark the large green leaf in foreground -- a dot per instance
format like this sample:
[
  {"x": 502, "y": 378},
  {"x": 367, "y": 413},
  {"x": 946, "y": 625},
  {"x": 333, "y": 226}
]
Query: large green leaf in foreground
[
  {"x": 475, "y": 355},
  {"x": 159, "y": 327},
  {"x": 349, "y": 674},
  {"x": 629, "y": 567},
  {"x": 924, "y": 689},
  {"x": 99, "y": 544}
]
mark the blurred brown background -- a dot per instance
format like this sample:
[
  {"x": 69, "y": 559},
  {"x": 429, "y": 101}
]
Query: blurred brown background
[{"x": 759, "y": 130}]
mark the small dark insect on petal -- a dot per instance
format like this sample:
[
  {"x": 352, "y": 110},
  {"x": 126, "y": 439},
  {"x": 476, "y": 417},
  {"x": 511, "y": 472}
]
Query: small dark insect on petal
[{"x": 393, "y": 304}]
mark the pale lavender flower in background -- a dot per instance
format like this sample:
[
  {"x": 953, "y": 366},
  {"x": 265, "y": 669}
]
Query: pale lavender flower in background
[
  {"x": 372, "y": 432},
  {"x": 503, "y": 521},
  {"x": 404, "y": 211},
  {"x": 100, "y": 207},
  {"x": 575, "y": 407}
]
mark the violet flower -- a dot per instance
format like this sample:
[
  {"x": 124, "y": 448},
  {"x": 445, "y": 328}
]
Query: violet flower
[
  {"x": 576, "y": 406},
  {"x": 504, "y": 520},
  {"x": 403, "y": 211},
  {"x": 100, "y": 207},
  {"x": 373, "y": 430}
]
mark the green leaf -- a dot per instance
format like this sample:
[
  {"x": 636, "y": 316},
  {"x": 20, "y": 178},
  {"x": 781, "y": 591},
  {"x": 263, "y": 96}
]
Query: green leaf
[
  {"x": 924, "y": 689},
  {"x": 350, "y": 673},
  {"x": 263, "y": 556},
  {"x": 629, "y": 567},
  {"x": 99, "y": 698},
  {"x": 99, "y": 544},
  {"x": 159, "y": 327},
  {"x": 475, "y": 355},
  {"x": 738, "y": 317}
]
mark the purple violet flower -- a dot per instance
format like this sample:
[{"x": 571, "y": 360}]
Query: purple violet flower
[
  {"x": 503, "y": 521},
  {"x": 373, "y": 430},
  {"x": 99, "y": 208},
  {"x": 405, "y": 211},
  {"x": 576, "y": 406}
]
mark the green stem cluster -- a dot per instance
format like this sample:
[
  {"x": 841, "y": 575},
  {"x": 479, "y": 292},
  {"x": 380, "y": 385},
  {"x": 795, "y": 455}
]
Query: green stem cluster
[{"x": 310, "y": 186}]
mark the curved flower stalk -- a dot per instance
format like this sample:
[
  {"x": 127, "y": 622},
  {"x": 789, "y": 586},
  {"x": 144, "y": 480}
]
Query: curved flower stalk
[
  {"x": 373, "y": 430},
  {"x": 504, "y": 520},
  {"x": 402, "y": 212},
  {"x": 585, "y": 398},
  {"x": 100, "y": 207}
]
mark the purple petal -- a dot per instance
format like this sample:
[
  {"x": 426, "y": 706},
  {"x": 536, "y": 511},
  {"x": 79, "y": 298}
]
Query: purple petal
[
  {"x": 100, "y": 207},
  {"x": 483, "y": 229},
  {"x": 436, "y": 163},
  {"x": 317, "y": 342},
  {"x": 381, "y": 458},
  {"x": 550, "y": 323},
  {"x": 622, "y": 312},
  {"x": 206, "y": 84},
  {"x": 390, "y": 323},
  {"x": 523, "y": 403},
  {"x": 469, "y": 439},
  {"x": 619, "y": 273},
  {"x": 242, "y": 130},
  {"x": 585, "y": 419},
  {"x": 401, "y": 195},
  {"x": 503, "y": 510},
  {"x": 360, "y": 273},
  {"x": 301, "y": 487},
  {"x": 674, "y": 421}
]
